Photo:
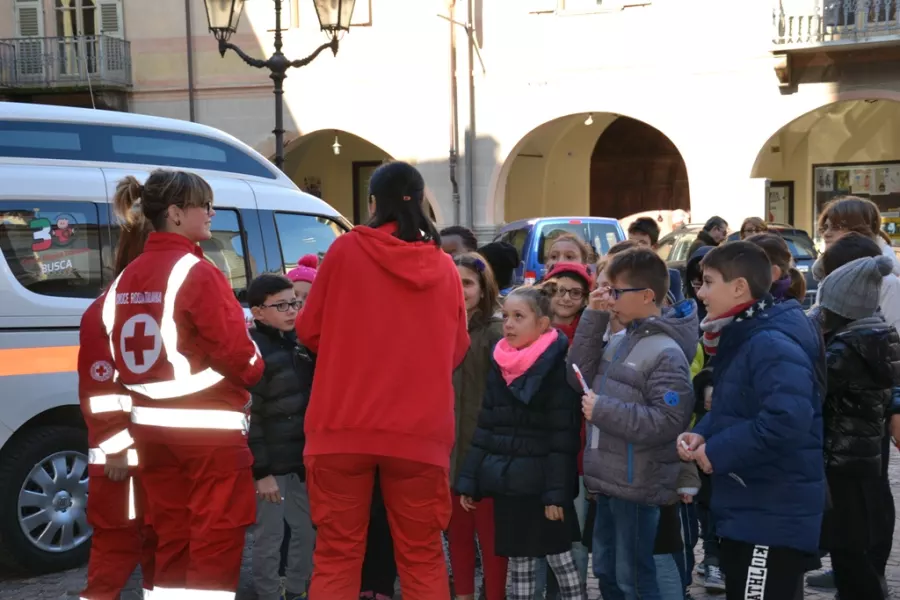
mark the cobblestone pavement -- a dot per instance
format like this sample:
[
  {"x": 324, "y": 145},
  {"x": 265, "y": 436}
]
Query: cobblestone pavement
[{"x": 66, "y": 585}]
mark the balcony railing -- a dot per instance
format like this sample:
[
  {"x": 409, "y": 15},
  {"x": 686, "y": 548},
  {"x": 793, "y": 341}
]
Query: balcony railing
[
  {"x": 7, "y": 64},
  {"x": 99, "y": 61},
  {"x": 810, "y": 23}
]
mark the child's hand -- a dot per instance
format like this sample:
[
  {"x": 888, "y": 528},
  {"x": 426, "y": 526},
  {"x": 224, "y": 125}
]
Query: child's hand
[
  {"x": 588, "y": 401},
  {"x": 267, "y": 488},
  {"x": 687, "y": 443},
  {"x": 707, "y": 398},
  {"x": 599, "y": 299},
  {"x": 687, "y": 499},
  {"x": 703, "y": 460},
  {"x": 554, "y": 513},
  {"x": 895, "y": 430},
  {"x": 467, "y": 503}
]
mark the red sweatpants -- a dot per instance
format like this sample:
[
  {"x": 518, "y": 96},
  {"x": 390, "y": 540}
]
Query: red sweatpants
[
  {"x": 119, "y": 543},
  {"x": 417, "y": 499},
  {"x": 463, "y": 527},
  {"x": 201, "y": 499}
]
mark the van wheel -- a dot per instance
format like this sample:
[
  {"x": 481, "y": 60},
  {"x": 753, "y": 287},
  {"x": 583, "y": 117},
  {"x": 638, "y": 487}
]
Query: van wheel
[{"x": 43, "y": 501}]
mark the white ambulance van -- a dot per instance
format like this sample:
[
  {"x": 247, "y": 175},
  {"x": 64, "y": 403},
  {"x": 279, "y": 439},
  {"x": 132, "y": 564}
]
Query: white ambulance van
[{"x": 58, "y": 171}]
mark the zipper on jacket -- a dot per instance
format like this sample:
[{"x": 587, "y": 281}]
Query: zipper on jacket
[
  {"x": 594, "y": 441},
  {"x": 630, "y": 463}
]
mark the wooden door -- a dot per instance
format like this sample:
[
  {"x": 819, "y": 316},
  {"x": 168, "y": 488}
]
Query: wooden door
[{"x": 635, "y": 168}]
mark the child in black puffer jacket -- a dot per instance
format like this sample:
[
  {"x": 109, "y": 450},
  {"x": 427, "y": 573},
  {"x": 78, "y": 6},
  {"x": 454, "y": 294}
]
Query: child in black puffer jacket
[
  {"x": 276, "y": 439},
  {"x": 524, "y": 451}
]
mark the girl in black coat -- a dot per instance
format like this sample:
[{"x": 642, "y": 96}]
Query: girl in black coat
[
  {"x": 863, "y": 358},
  {"x": 525, "y": 448}
]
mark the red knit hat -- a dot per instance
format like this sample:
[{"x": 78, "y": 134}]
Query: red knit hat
[
  {"x": 305, "y": 269},
  {"x": 579, "y": 270}
]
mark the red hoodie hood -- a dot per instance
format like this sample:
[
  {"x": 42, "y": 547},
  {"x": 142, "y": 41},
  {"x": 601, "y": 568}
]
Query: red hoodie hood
[{"x": 414, "y": 263}]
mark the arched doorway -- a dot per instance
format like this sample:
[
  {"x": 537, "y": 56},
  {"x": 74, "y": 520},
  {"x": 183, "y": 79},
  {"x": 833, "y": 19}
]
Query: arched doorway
[
  {"x": 635, "y": 168},
  {"x": 847, "y": 147}
]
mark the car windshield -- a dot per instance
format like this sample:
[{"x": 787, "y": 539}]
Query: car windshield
[
  {"x": 801, "y": 246},
  {"x": 601, "y": 236}
]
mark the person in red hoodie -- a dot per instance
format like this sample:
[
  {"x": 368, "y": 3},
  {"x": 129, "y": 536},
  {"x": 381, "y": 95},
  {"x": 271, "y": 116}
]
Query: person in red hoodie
[{"x": 387, "y": 319}]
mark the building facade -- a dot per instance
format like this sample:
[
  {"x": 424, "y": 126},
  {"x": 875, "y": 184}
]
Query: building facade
[{"x": 551, "y": 107}]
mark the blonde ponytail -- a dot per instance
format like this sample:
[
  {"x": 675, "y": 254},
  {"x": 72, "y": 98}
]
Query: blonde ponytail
[{"x": 135, "y": 226}]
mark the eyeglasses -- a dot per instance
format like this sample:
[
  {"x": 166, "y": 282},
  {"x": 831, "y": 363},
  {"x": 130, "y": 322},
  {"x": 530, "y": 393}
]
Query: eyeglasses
[
  {"x": 617, "y": 292},
  {"x": 829, "y": 227},
  {"x": 207, "y": 206},
  {"x": 574, "y": 293},
  {"x": 283, "y": 306},
  {"x": 752, "y": 231}
]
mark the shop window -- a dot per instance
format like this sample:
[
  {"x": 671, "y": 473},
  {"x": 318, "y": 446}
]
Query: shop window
[
  {"x": 53, "y": 248},
  {"x": 300, "y": 234}
]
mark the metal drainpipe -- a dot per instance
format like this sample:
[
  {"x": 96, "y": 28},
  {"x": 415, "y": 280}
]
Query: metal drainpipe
[
  {"x": 190, "y": 58},
  {"x": 454, "y": 117},
  {"x": 471, "y": 134}
]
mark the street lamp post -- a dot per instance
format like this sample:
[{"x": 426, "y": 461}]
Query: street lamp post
[{"x": 224, "y": 16}]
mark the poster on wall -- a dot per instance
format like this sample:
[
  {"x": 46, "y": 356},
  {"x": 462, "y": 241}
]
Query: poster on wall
[
  {"x": 861, "y": 182},
  {"x": 842, "y": 180},
  {"x": 893, "y": 179},
  {"x": 824, "y": 180},
  {"x": 780, "y": 205},
  {"x": 880, "y": 181}
]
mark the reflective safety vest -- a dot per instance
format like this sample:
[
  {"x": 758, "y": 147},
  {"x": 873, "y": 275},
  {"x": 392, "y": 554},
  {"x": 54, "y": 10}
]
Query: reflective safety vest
[
  {"x": 180, "y": 346},
  {"x": 105, "y": 403}
]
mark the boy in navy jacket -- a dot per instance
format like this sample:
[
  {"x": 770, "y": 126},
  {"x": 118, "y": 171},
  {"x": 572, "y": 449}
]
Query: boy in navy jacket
[{"x": 762, "y": 440}]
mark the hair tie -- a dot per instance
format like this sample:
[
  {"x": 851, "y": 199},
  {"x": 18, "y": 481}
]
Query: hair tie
[
  {"x": 137, "y": 206},
  {"x": 479, "y": 265},
  {"x": 406, "y": 198}
]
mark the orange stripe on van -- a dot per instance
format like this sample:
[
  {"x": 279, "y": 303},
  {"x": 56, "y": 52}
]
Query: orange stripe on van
[{"x": 35, "y": 361}]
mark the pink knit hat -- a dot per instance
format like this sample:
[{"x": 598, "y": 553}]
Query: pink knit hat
[{"x": 305, "y": 269}]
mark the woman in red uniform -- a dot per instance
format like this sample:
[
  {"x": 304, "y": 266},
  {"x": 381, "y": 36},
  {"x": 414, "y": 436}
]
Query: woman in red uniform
[
  {"x": 387, "y": 319},
  {"x": 181, "y": 349},
  {"x": 122, "y": 537}
]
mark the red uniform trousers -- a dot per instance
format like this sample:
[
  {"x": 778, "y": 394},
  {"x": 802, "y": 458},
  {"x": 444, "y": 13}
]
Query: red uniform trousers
[
  {"x": 122, "y": 539},
  {"x": 463, "y": 527},
  {"x": 201, "y": 499},
  {"x": 417, "y": 499}
]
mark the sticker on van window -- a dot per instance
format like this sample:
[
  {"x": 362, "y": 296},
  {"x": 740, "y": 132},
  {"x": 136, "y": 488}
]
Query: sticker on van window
[
  {"x": 65, "y": 230},
  {"x": 46, "y": 234}
]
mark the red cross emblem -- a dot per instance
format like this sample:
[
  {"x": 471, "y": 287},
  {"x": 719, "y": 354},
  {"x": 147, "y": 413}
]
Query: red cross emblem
[
  {"x": 139, "y": 343},
  {"x": 101, "y": 371}
]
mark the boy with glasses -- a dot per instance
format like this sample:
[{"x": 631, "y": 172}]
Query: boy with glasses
[
  {"x": 641, "y": 396},
  {"x": 277, "y": 440}
]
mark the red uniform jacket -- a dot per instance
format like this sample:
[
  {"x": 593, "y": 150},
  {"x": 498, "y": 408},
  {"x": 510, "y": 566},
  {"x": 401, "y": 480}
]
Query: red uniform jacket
[
  {"x": 181, "y": 346},
  {"x": 388, "y": 322},
  {"x": 105, "y": 403}
]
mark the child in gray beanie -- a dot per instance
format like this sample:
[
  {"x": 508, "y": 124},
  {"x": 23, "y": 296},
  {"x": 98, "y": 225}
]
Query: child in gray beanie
[{"x": 863, "y": 358}]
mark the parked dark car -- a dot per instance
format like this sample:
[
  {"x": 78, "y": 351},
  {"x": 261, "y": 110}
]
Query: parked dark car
[{"x": 673, "y": 249}]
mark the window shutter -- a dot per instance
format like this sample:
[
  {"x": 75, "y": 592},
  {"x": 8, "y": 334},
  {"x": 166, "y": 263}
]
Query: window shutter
[
  {"x": 110, "y": 18},
  {"x": 29, "y": 24}
]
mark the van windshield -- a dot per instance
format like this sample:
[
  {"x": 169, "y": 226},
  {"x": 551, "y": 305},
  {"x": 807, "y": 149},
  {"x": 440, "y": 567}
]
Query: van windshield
[{"x": 600, "y": 235}]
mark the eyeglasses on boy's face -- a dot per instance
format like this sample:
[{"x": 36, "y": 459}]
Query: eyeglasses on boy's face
[
  {"x": 617, "y": 293},
  {"x": 284, "y": 306}
]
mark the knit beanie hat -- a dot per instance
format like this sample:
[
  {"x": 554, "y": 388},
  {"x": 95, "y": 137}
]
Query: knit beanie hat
[
  {"x": 305, "y": 269},
  {"x": 852, "y": 290}
]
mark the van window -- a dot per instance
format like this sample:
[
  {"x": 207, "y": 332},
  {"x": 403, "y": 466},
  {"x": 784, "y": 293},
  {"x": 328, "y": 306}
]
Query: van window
[
  {"x": 53, "y": 248},
  {"x": 116, "y": 144},
  {"x": 517, "y": 238},
  {"x": 225, "y": 249},
  {"x": 299, "y": 235}
]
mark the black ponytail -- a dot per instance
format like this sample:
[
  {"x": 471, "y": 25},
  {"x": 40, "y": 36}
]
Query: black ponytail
[{"x": 399, "y": 191}]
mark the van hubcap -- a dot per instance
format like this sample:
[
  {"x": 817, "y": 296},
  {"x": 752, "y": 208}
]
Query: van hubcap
[{"x": 53, "y": 501}]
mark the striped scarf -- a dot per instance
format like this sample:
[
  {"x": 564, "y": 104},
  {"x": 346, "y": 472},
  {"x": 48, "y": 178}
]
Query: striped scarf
[{"x": 712, "y": 328}]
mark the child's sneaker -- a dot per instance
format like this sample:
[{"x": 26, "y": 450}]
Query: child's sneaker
[
  {"x": 714, "y": 581},
  {"x": 701, "y": 569}
]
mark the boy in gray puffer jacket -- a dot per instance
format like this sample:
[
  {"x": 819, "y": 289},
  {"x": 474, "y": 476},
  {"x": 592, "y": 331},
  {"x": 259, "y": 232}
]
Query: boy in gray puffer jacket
[{"x": 642, "y": 399}]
